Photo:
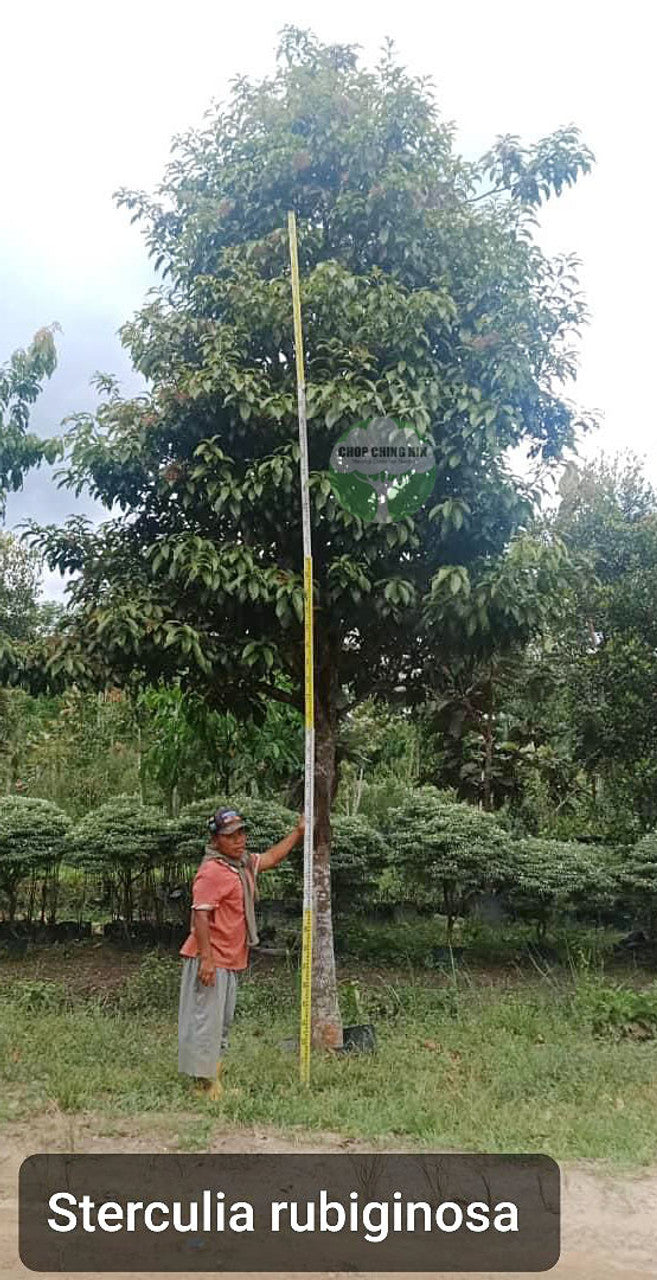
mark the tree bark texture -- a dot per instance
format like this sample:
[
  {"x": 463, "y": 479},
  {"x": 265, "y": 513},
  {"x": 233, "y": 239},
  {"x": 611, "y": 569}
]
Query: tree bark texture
[{"x": 326, "y": 1020}]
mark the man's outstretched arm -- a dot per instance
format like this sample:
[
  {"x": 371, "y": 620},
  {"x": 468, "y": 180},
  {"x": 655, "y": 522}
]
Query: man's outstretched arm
[{"x": 279, "y": 851}]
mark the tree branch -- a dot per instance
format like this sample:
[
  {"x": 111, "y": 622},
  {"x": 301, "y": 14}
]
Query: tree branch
[
  {"x": 492, "y": 191},
  {"x": 279, "y": 695}
]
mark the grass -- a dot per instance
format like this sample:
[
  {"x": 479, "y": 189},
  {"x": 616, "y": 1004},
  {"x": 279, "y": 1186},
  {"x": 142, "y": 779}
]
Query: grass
[{"x": 561, "y": 1062}]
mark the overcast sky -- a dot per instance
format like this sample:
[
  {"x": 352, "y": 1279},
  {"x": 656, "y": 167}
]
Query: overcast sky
[{"x": 91, "y": 96}]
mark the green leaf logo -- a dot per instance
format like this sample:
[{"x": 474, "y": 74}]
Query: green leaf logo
[{"x": 381, "y": 471}]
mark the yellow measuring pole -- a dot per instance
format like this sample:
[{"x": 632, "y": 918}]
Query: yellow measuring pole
[{"x": 309, "y": 757}]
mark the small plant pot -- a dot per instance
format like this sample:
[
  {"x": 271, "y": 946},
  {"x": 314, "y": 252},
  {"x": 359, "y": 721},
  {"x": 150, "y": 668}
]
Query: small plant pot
[{"x": 359, "y": 1039}]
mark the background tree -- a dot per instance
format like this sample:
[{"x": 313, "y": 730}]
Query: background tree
[
  {"x": 188, "y": 748},
  {"x": 424, "y": 298},
  {"x": 608, "y": 643},
  {"x": 488, "y": 617},
  {"x": 183, "y": 739},
  {"x": 78, "y": 749},
  {"x": 20, "y": 576},
  {"x": 21, "y": 383},
  {"x": 377, "y": 746}
]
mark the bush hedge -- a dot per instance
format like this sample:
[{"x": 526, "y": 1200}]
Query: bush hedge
[{"x": 429, "y": 851}]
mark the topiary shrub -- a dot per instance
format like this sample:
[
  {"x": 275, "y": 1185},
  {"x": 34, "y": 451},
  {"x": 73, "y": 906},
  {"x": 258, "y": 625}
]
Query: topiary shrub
[
  {"x": 358, "y": 857},
  {"x": 33, "y": 835},
  {"x": 129, "y": 845},
  {"x": 551, "y": 877},
  {"x": 445, "y": 853},
  {"x": 638, "y": 882}
]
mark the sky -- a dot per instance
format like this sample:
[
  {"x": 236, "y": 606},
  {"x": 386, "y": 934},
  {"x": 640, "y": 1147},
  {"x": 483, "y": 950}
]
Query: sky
[{"x": 92, "y": 96}]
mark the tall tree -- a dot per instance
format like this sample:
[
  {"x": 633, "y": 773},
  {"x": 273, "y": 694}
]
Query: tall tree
[{"x": 424, "y": 297}]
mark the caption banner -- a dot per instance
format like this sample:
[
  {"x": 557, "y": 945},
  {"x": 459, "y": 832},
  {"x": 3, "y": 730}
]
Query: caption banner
[{"x": 289, "y": 1213}]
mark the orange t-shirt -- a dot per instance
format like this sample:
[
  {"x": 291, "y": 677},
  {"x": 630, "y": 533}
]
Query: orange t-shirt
[{"x": 218, "y": 887}]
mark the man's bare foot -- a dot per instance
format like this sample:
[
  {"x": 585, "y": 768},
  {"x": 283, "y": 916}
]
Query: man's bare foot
[{"x": 211, "y": 1089}]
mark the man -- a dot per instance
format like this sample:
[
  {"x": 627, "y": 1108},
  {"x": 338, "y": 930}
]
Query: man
[{"x": 222, "y": 931}]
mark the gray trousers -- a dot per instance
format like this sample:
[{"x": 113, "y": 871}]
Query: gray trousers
[{"x": 205, "y": 1015}]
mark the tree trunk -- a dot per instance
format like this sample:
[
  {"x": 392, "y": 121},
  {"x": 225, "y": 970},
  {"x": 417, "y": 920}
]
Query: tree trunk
[
  {"x": 140, "y": 766},
  {"x": 488, "y": 767},
  {"x": 359, "y": 790},
  {"x": 44, "y": 898},
  {"x": 54, "y": 889},
  {"x": 11, "y": 891},
  {"x": 32, "y": 897},
  {"x": 488, "y": 752},
  {"x": 326, "y": 1020}
]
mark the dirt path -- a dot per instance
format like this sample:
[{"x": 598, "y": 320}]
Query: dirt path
[{"x": 609, "y": 1223}]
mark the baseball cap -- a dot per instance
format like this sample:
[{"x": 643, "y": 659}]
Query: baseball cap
[{"x": 225, "y": 821}]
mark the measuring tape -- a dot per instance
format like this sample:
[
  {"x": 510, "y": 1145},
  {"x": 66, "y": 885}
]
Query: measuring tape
[
  {"x": 306, "y": 996},
  {"x": 309, "y": 752}
]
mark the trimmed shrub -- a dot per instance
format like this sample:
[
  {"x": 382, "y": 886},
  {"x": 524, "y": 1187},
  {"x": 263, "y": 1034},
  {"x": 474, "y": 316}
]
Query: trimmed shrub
[
  {"x": 130, "y": 846},
  {"x": 444, "y": 854},
  {"x": 358, "y": 857},
  {"x": 33, "y": 836},
  {"x": 638, "y": 882},
  {"x": 550, "y": 877}
]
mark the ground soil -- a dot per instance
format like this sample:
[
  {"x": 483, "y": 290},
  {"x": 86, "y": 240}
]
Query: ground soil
[
  {"x": 86, "y": 969},
  {"x": 609, "y": 1221}
]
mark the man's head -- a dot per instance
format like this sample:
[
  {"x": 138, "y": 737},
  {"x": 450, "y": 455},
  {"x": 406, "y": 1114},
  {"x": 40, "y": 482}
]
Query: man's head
[{"x": 228, "y": 832}]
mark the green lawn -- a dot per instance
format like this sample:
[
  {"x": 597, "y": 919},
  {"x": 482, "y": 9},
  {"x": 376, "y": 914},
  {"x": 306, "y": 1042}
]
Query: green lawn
[{"x": 564, "y": 1063}]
